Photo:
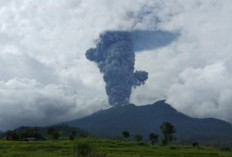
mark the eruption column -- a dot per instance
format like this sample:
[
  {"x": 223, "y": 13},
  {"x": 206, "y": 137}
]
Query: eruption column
[{"x": 115, "y": 58}]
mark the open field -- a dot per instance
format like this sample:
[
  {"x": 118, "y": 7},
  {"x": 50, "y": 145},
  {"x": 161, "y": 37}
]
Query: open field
[{"x": 112, "y": 148}]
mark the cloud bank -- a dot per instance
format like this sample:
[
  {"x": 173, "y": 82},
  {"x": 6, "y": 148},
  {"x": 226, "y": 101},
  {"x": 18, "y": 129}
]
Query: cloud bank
[{"x": 44, "y": 73}]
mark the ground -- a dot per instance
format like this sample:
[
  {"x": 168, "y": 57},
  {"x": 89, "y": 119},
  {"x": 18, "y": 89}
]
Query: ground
[{"x": 112, "y": 148}]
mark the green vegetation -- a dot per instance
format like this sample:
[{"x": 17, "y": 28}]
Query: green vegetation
[
  {"x": 42, "y": 133},
  {"x": 93, "y": 147},
  {"x": 138, "y": 138},
  {"x": 23, "y": 135},
  {"x": 125, "y": 134},
  {"x": 153, "y": 138},
  {"x": 53, "y": 133},
  {"x": 72, "y": 135},
  {"x": 64, "y": 141},
  {"x": 195, "y": 144},
  {"x": 168, "y": 131},
  {"x": 82, "y": 148}
]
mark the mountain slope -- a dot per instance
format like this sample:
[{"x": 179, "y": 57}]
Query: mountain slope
[{"x": 145, "y": 119}]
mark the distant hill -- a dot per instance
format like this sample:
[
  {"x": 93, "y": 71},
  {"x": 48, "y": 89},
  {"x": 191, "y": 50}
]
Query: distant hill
[{"x": 146, "y": 119}]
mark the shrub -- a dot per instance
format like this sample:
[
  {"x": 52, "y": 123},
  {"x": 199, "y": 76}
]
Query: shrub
[
  {"x": 225, "y": 149},
  {"x": 164, "y": 142},
  {"x": 82, "y": 149},
  {"x": 138, "y": 138},
  {"x": 55, "y": 135},
  {"x": 99, "y": 155},
  {"x": 13, "y": 135},
  {"x": 142, "y": 144},
  {"x": 71, "y": 137},
  {"x": 173, "y": 148},
  {"x": 125, "y": 134},
  {"x": 195, "y": 144}
]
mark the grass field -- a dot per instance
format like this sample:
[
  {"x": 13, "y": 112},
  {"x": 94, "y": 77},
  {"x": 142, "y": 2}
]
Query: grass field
[{"x": 112, "y": 148}]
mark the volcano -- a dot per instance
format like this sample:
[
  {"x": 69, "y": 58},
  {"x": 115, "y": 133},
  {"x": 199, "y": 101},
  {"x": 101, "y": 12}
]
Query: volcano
[{"x": 148, "y": 118}]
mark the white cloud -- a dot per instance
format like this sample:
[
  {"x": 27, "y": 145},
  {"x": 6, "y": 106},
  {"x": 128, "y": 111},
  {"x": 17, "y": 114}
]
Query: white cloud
[
  {"x": 193, "y": 73},
  {"x": 203, "y": 92},
  {"x": 31, "y": 103},
  {"x": 43, "y": 44},
  {"x": 28, "y": 102}
]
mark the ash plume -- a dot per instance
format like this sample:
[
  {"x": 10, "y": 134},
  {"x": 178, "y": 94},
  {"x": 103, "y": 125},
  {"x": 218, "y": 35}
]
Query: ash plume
[{"x": 115, "y": 56}]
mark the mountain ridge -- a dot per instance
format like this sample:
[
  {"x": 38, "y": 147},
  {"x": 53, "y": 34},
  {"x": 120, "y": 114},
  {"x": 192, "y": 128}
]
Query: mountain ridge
[{"x": 148, "y": 118}]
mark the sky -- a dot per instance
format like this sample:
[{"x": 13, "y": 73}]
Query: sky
[{"x": 45, "y": 77}]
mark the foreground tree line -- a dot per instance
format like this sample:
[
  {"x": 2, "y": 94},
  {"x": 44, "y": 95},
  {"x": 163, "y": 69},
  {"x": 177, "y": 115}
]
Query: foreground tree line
[
  {"x": 54, "y": 133},
  {"x": 36, "y": 133},
  {"x": 167, "y": 129},
  {"x": 31, "y": 134},
  {"x": 39, "y": 133},
  {"x": 85, "y": 149}
]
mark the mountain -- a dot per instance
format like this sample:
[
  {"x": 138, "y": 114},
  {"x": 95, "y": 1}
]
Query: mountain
[{"x": 146, "y": 119}]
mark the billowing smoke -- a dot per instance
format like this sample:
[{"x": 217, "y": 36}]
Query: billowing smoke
[{"x": 115, "y": 57}]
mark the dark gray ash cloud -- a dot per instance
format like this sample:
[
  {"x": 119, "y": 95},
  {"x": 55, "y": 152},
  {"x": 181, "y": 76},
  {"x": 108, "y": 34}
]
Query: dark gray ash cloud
[{"x": 115, "y": 57}]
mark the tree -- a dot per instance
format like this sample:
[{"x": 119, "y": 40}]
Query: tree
[
  {"x": 13, "y": 135},
  {"x": 153, "y": 138},
  {"x": 31, "y": 132},
  {"x": 138, "y": 138},
  {"x": 168, "y": 131},
  {"x": 72, "y": 135},
  {"x": 195, "y": 144},
  {"x": 53, "y": 133},
  {"x": 125, "y": 134}
]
